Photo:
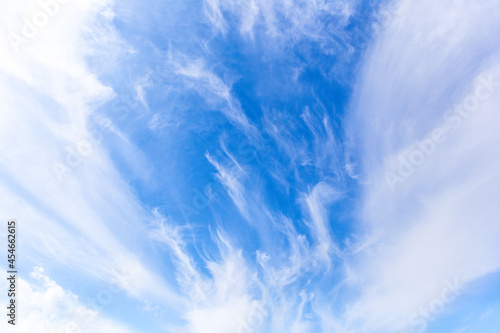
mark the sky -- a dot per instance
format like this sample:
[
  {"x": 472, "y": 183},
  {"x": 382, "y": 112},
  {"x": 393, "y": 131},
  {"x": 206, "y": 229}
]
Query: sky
[{"x": 223, "y": 166}]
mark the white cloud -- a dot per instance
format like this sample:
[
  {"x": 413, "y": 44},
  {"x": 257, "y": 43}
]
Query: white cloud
[
  {"x": 231, "y": 179},
  {"x": 216, "y": 92},
  {"x": 44, "y": 306},
  {"x": 87, "y": 221},
  {"x": 316, "y": 203},
  {"x": 442, "y": 221},
  {"x": 294, "y": 19},
  {"x": 221, "y": 301}
]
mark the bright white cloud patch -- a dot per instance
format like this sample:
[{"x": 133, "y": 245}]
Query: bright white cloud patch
[
  {"x": 56, "y": 175},
  {"x": 46, "y": 307},
  {"x": 431, "y": 125}
]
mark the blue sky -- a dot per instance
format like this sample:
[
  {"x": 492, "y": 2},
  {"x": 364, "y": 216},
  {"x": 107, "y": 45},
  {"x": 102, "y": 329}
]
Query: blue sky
[{"x": 252, "y": 166}]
